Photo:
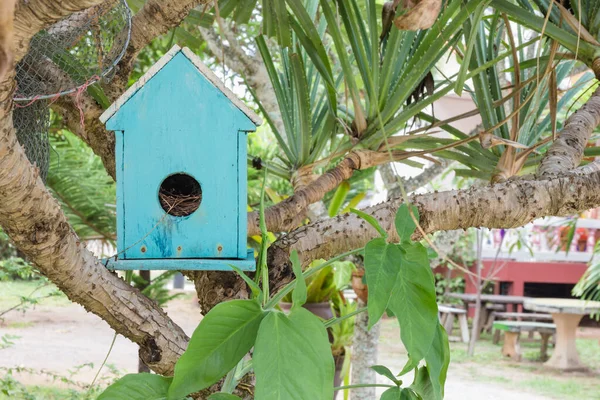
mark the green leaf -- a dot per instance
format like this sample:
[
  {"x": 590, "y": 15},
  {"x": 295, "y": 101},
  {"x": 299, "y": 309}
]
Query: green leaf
[
  {"x": 422, "y": 384},
  {"x": 292, "y": 358},
  {"x": 385, "y": 371},
  {"x": 392, "y": 394},
  {"x": 405, "y": 225},
  {"x": 382, "y": 263},
  {"x": 251, "y": 284},
  {"x": 223, "y": 396},
  {"x": 338, "y": 198},
  {"x": 138, "y": 387},
  {"x": 438, "y": 360},
  {"x": 398, "y": 393},
  {"x": 371, "y": 220},
  {"x": 223, "y": 337},
  {"x": 342, "y": 273},
  {"x": 413, "y": 301},
  {"x": 299, "y": 294}
]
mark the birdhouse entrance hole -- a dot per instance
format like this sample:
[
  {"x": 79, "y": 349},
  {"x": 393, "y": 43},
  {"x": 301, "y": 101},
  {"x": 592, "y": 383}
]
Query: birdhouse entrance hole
[{"x": 180, "y": 195}]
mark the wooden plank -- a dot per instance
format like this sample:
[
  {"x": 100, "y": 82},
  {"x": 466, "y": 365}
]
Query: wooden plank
[
  {"x": 493, "y": 298},
  {"x": 446, "y": 309},
  {"x": 194, "y": 264},
  {"x": 524, "y": 326},
  {"x": 532, "y": 316}
]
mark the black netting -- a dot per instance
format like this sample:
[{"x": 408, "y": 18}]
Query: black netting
[{"x": 67, "y": 57}]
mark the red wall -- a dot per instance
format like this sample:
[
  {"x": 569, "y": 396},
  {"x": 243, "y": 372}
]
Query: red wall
[{"x": 532, "y": 272}]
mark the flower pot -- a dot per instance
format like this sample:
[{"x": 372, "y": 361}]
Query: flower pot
[
  {"x": 361, "y": 290},
  {"x": 322, "y": 310},
  {"x": 338, "y": 378}
]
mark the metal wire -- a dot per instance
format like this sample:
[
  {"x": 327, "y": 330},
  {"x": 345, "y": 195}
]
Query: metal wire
[
  {"x": 66, "y": 58},
  {"x": 74, "y": 52}
]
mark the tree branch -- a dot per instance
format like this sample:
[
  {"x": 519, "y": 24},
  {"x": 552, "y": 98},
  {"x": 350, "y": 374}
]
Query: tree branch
[
  {"x": 411, "y": 184},
  {"x": 33, "y": 219},
  {"x": 34, "y": 15},
  {"x": 506, "y": 205},
  {"x": 566, "y": 152},
  {"x": 154, "y": 19},
  {"x": 251, "y": 68}
]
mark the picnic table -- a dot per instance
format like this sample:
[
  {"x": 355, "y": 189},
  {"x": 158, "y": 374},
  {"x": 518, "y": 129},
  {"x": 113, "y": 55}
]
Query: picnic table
[
  {"x": 495, "y": 299},
  {"x": 566, "y": 313},
  {"x": 488, "y": 298}
]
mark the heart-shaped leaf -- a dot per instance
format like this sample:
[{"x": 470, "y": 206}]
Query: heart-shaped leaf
[
  {"x": 223, "y": 337},
  {"x": 292, "y": 358},
  {"x": 382, "y": 263},
  {"x": 413, "y": 301}
]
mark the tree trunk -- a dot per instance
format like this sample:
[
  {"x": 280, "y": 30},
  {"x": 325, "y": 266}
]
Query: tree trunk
[
  {"x": 364, "y": 355},
  {"x": 566, "y": 152},
  {"x": 475, "y": 330},
  {"x": 145, "y": 275}
]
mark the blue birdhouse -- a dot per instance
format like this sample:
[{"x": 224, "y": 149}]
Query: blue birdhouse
[{"x": 181, "y": 169}]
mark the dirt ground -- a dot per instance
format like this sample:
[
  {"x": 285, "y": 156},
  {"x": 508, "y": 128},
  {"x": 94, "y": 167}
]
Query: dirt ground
[{"x": 61, "y": 338}]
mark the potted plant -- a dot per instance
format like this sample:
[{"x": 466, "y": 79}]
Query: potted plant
[
  {"x": 322, "y": 286},
  {"x": 342, "y": 334}
]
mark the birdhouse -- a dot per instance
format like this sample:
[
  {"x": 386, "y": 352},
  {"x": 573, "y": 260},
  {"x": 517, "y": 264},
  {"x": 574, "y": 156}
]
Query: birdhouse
[{"x": 181, "y": 169}]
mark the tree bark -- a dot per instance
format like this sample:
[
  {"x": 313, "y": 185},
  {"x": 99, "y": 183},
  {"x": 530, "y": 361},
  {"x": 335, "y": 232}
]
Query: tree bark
[
  {"x": 33, "y": 219},
  {"x": 506, "y": 205},
  {"x": 364, "y": 355},
  {"x": 154, "y": 19},
  {"x": 35, "y": 222},
  {"x": 475, "y": 329},
  {"x": 566, "y": 152},
  {"x": 411, "y": 184}
]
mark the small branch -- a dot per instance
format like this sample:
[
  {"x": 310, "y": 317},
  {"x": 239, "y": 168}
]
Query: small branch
[{"x": 566, "y": 153}]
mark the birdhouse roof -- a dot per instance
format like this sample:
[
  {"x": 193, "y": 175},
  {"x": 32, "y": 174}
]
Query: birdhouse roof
[{"x": 203, "y": 69}]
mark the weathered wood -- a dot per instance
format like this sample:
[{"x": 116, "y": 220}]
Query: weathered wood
[
  {"x": 524, "y": 316},
  {"x": 512, "y": 332},
  {"x": 511, "y": 347},
  {"x": 524, "y": 326},
  {"x": 566, "y": 313},
  {"x": 447, "y": 320}
]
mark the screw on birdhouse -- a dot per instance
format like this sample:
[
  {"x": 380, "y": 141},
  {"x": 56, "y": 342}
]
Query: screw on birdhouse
[
  {"x": 143, "y": 249},
  {"x": 178, "y": 251},
  {"x": 219, "y": 249}
]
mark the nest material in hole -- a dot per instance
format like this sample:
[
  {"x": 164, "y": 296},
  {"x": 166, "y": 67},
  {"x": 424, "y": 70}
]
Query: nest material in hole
[{"x": 179, "y": 205}]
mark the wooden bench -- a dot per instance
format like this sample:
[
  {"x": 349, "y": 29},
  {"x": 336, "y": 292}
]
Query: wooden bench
[
  {"x": 447, "y": 315},
  {"x": 518, "y": 316},
  {"x": 512, "y": 331}
]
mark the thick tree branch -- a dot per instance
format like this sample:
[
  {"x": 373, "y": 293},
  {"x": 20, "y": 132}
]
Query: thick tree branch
[
  {"x": 154, "y": 19},
  {"x": 35, "y": 222},
  {"x": 280, "y": 216},
  {"x": 506, "y": 205},
  {"x": 566, "y": 152},
  {"x": 34, "y": 15}
]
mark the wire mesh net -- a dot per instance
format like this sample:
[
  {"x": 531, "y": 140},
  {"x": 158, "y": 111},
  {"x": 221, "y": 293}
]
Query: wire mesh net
[{"x": 64, "y": 59}]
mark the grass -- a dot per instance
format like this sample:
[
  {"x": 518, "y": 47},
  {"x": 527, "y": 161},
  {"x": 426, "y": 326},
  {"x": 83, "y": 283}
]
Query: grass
[
  {"x": 45, "y": 393},
  {"x": 530, "y": 375},
  {"x": 13, "y": 292}
]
